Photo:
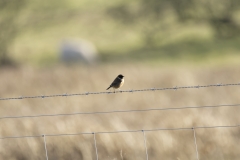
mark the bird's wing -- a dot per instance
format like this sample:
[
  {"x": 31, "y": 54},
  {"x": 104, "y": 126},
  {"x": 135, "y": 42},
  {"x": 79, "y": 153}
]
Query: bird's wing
[{"x": 116, "y": 81}]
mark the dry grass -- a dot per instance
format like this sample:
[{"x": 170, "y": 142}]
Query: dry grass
[{"x": 175, "y": 145}]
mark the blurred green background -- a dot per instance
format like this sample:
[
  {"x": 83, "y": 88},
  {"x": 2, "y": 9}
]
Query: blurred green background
[{"x": 155, "y": 31}]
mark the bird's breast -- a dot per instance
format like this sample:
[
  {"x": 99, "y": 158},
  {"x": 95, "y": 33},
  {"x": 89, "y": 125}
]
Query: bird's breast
[{"x": 121, "y": 84}]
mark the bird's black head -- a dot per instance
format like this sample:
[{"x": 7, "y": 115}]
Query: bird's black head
[{"x": 120, "y": 76}]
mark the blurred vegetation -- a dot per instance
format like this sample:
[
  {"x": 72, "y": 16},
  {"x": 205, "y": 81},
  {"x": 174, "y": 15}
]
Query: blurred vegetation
[
  {"x": 156, "y": 15},
  {"x": 18, "y": 16},
  {"x": 122, "y": 30},
  {"x": 10, "y": 10}
]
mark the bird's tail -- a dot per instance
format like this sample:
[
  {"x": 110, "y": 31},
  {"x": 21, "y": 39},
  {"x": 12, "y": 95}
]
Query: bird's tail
[{"x": 108, "y": 87}]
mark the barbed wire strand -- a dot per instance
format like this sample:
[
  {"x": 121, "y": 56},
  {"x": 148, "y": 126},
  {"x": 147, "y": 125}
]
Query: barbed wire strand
[
  {"x": 95, "y": 144},
  {"x": 45, "y": 146},
  {"x": 122, "y": 91},
  {"x": 195, "y": 142},
  {"x": 145, "y": 144},
  {"x": 121, "y": 131},
  {"x": 120, "y": 111}
]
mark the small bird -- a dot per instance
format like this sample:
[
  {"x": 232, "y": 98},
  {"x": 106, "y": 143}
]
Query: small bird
[{"x": 117, "y": 83}]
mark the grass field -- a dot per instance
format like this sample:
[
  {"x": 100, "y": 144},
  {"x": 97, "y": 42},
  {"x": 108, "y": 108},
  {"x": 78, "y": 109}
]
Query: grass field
[{"x": 212, "y": 143}]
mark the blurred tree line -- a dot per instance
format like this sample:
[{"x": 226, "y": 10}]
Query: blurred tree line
[
  {"x": 17, "y": 16},
  {"x": 220, "y": 15},
  {"x": 9, "y": 11},
  {"x": 152, "y": 16}
]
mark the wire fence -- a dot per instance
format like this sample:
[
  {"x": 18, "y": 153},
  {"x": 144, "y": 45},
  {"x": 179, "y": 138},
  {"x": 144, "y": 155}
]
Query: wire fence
[
  {"x": 122, "y": 131},
  {"x": 121, "y": 91},
  {"x": 119, "y": 111},
  {"x": 144, "y": 131}
]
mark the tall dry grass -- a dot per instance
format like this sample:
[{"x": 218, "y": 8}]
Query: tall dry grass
[{"x": 175, "y": 145}]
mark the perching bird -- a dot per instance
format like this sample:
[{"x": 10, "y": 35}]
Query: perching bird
[{"x": 117, "y": 83}]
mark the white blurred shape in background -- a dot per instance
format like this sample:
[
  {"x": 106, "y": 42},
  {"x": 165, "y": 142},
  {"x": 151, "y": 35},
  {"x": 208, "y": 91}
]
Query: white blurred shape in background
[{"x": 78, "y": 50}]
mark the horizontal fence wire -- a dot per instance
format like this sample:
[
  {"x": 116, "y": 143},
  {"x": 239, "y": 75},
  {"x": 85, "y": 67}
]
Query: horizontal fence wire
[
  {"x": 120, "y": 131},
  {"x": 119, "y": 111},
  {"x": 122, "y": 91}
]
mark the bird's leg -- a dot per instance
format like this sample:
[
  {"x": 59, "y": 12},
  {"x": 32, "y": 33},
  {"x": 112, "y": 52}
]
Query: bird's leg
[{"x": 113, "y": 90}]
